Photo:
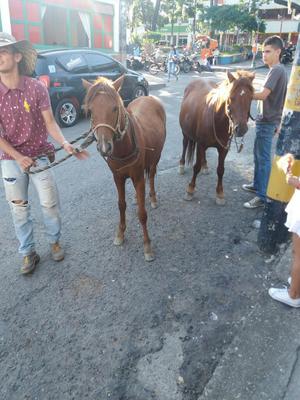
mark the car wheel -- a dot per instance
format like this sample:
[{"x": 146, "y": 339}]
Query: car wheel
[
  {"x": 139, "y": 91},
  {"x": 66, "y": 113}
]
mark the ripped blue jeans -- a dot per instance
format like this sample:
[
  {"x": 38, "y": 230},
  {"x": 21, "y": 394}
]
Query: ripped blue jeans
[{"x": 16, "y": 184}]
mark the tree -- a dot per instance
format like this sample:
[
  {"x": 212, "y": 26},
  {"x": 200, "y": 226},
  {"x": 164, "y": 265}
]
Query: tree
[{"x": 229, "y": 17}]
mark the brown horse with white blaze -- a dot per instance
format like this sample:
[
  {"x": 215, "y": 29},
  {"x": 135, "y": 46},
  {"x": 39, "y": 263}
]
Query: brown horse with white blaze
[
  {"x": 131, "y": 141},
  {"x": 211, "y": 114}
]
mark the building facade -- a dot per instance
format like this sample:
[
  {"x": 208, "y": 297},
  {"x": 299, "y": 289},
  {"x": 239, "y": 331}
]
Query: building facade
[{"x": 63, "y": 23}]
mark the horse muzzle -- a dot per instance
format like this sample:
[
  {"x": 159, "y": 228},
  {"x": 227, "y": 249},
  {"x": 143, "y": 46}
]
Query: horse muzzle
[
  {"x": 105, "y": 148},
  {"x": 240, "y": 130}
]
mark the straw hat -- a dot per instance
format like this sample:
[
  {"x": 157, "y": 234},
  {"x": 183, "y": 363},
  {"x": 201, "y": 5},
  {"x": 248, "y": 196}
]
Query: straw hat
[{"x": 29, "y": 54}]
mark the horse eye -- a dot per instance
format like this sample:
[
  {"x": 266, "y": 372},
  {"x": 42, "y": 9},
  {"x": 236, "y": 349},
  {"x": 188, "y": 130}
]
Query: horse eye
[{"x": 115, "y": 108}]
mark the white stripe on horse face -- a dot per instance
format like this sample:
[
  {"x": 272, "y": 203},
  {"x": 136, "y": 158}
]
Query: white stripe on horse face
[
  {"x": 103, "y": 145},
  {"x": 242, "y": 92}
]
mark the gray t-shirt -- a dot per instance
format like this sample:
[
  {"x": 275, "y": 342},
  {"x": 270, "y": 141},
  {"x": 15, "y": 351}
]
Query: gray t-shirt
[{"x": 270, "y": 110}]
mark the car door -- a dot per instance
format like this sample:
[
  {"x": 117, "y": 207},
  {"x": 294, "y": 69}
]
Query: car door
[{"x": 107, "y": 67}]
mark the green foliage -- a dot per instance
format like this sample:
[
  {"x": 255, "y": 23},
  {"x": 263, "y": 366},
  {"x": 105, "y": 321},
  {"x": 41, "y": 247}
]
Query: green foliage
[
  {"x": 230, "y": 17},
  {"x": 136, "y": 40}
]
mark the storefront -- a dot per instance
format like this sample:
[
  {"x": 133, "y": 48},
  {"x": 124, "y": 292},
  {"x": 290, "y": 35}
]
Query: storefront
[{"x": 63, "y": 23}]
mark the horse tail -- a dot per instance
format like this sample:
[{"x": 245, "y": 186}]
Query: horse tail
[{"x": 190, "y": 151}]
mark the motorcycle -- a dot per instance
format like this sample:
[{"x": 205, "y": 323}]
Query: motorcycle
[
  {"x": 162, "y": 66},
  {"x": 287, "y": 56},
  {"x": 185, "y": 63},
  {"x": 135, "y": 63}
]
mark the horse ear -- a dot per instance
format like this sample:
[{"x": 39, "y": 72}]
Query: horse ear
[
  {"x": 252, "y": 77},
  {"x": 86, "y": 84},
  {"x": 117, "y": 84},
  {"x": 230, "y": 77}
]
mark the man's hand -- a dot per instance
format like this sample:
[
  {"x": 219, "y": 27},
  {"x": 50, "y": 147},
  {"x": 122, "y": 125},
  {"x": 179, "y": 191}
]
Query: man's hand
[
  {"x": 80, "y": 154},
  {"x": 25, "y": 162},
  {"x": 285, "y": 163}
]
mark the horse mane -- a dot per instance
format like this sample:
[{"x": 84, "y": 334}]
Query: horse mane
[
  {"x": 219, "y": 95},
  {"x": 101, "y": 85}
]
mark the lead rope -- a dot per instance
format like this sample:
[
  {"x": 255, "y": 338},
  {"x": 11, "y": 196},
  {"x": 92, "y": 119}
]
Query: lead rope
[{"x": 88, "y": 141}]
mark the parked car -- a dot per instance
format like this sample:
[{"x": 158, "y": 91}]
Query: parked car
[{"x": 63, "y": 70}]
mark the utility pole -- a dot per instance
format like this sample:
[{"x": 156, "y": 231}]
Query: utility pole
[
  {"x": 122, "y": 32},
  {"x": 172, "y": 22},
  {"x": 194, "y": 21},
  {"x": 272, "y": 230}
]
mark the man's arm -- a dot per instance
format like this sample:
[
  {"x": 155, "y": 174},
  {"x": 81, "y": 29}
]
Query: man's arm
[
  {"x": 23, "y": 161},
  {"x": 262, "y": 95},
  {"x": 56, "y": 133}
]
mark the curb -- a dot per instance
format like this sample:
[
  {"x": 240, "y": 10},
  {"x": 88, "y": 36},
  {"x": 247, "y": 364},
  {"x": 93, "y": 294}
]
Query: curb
[
  {"x": 235, "y": 68},
  {"x": 156, "y": 86}
]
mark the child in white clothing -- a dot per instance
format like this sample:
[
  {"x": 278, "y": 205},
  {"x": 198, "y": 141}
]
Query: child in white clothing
[{"x": 291, "y": 296}]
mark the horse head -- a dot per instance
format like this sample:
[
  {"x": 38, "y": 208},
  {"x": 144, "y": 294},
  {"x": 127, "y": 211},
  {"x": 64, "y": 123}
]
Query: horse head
[
  {"x": 238, "y": 101},
  {"x": 109, "y": 120}
]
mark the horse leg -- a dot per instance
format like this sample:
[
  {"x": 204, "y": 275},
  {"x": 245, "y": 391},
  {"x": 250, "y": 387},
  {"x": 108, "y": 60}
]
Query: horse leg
[
  {"x": 120, "y": 183},
  {"x": 185, "y": 141},
  {"x": 204, "y": 167},
  {"x": 139, "y": 185},
  {"x": 197, "y": 167},
  {"x": 220, "y": 201},
  {"x": 152, "y": 193}
]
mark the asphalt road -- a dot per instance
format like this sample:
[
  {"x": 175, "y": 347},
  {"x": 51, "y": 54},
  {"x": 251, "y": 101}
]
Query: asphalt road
[{"x": 104, "y": 324}]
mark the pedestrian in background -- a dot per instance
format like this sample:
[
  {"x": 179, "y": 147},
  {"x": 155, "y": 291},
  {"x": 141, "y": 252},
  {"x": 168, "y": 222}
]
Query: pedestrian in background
[
  {"x": 172, "y": 59},
  {"x": 216, "y": 54},
  {"x": 291, "y": 296},
  {"x": 26, "y": 119},
  {"x": 271, "y": 100}
]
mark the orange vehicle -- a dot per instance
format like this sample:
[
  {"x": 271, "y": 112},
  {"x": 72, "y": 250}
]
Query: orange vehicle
[{"x": 212, "y": 43}]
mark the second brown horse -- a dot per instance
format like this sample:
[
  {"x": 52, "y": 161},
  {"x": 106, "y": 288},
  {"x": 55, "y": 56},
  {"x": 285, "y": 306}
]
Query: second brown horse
[
  {"x": 131, "y": 142},
  {"x": 210, "y": 115}
]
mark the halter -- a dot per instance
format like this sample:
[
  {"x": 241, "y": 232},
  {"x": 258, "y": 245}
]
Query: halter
[
  {"x": 230, "y": 131},
  {"x": 118, "y": 133}
]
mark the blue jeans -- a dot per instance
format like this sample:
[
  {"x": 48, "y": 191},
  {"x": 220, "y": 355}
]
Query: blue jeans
[
  {"x": 262, "y": 157},
  {"x": 171, "y": 69},
  {"x": 16, "y": 184}
]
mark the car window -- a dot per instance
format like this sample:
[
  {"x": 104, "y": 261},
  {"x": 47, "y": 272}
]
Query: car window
[
  {"x": 73, "y": 62},
  {"x": 99, "y": 62},
  {"x": 40, "y": 66}
]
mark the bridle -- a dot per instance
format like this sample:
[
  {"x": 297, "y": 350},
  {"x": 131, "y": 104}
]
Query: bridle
[
  {"x": 228, "y": 113},
  {"x": 118, "y": 133}
]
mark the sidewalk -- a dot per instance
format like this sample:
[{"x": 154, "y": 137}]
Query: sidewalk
[{"x": 262, "y": 362}]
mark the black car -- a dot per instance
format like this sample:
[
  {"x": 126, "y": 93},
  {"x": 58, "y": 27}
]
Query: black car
[{"x": 62, "y": 71}]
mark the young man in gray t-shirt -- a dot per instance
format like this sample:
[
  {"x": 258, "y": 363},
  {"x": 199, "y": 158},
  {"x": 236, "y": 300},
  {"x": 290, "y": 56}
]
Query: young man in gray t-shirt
[{"x": 271, "y": 100}]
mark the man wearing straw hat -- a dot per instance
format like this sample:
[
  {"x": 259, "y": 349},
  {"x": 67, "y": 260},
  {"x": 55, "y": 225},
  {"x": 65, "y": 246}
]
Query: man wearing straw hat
[{"x": 26, "y": 120}]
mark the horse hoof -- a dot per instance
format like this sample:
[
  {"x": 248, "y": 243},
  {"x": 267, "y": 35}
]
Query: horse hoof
[
  {"x": 204, "y": 171},
  {"x": 154, "y": 204},
  {"x": 220, "y": 201},
  {"x": 181, "y": 170},
  {"x": 149, "y": 257},
  {"x": 118, "y": 241},
  {"x": 188, "y": 196}
]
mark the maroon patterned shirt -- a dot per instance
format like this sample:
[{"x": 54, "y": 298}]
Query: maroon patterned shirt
[{"x": 21, "y": 120}]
